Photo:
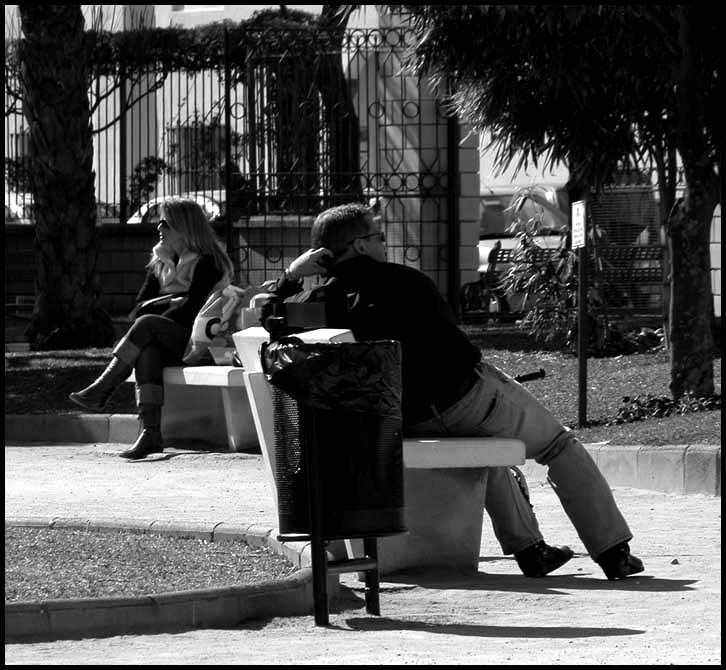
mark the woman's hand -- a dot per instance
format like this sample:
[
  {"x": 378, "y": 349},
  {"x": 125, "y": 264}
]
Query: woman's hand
[
  {"x": 311, "y": 262},
  {"x": 164, "y": 251}
]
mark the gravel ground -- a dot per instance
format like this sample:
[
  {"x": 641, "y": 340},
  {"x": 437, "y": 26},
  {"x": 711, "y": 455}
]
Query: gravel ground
[
  {"x": 668, "y": 615},
  {"x": 45, "y": 563}
]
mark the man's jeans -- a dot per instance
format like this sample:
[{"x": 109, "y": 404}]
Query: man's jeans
[
  {"x": 152, "y": 343},
  {"x": 498, "y": 406}
]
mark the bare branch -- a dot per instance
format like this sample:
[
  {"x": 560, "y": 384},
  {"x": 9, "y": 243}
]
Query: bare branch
[
  {"x": 99, "y": 20},
  {"x": 13, "y": 83},
  {"x": 98, "y": 97}
]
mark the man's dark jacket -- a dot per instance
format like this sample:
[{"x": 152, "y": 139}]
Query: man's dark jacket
[{"x": 388, "y": 301}]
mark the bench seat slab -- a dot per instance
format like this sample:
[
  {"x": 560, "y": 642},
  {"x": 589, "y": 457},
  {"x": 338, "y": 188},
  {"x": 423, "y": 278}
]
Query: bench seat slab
[{"x": 205, "y": 375}]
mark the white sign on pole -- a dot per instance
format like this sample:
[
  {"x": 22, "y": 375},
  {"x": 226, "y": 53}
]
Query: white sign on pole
[{"x": 578, "y": 224}]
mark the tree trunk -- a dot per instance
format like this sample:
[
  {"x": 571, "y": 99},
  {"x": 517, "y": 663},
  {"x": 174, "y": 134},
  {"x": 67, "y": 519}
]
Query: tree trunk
[
  {"x": 691, "y": 307},
  {"x": 54, "y": 76}
]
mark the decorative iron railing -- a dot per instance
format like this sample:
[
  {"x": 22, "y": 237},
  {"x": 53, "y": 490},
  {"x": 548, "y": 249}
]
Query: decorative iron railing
[{"x": 271, "y": 139}]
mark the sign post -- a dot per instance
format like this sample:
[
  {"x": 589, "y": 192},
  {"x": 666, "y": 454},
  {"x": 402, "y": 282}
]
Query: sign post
[{"x": 579, "y": 242}]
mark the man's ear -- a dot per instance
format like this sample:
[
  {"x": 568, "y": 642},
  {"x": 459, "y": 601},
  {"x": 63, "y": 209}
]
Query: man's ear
[{"x": 359, "y": 247}]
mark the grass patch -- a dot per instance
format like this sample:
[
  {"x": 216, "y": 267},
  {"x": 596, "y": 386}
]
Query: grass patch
[
  {"x": 609, "y": 381},
  {"x": 39, "y": 383},
  {"x": 47, "y": 564}
]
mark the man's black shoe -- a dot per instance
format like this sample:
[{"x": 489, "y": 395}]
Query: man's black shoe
[
  {"x": 617, "y": 562},
  {"x": 540, "y": 559}
]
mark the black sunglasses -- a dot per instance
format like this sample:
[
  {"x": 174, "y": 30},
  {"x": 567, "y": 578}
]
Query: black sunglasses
[{"x": 380, "y": 234}]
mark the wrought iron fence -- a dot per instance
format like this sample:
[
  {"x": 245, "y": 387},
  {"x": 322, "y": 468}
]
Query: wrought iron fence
[{"x": 270, "y": 142}]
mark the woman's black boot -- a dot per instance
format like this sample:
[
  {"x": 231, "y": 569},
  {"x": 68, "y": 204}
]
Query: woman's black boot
[
  {"x": 149, "y": 441},
  {"x": 95, "y": 396}
]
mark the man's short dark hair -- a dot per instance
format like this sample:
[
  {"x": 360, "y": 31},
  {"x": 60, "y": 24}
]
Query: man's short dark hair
[{"x": 336, "y": 227}]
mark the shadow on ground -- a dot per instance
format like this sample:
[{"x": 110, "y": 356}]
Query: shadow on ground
[
  {"x": 553, "y": 584},
  {"x": 544, "y": 632}
]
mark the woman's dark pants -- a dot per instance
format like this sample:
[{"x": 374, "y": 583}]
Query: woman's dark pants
[{"x": 152, "y": 343}]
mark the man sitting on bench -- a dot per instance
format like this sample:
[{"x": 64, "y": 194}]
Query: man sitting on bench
[{"x": 449, "y": 390}]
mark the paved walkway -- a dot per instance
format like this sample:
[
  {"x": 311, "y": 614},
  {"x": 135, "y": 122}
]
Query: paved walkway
[{"x": 668, "y": 615}]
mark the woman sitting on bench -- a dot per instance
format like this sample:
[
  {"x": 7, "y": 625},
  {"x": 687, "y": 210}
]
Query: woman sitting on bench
[{"x": 187, "y": 264}]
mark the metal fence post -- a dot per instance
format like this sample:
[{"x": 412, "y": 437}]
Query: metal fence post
[
  {"x": 252, "y": 140},
  {"x": 123, "y": 141},
  {"x": 453, "y": 232},
  {"x": 228, "y": 141}
]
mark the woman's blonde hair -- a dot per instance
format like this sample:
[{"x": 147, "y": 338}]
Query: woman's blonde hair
[{"x": 187, "y": 218}]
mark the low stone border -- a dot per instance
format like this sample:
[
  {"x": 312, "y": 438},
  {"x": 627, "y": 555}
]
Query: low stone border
[
  {"x": 222, "y": 607},
  {"x": 116, "y": 428},
  {"x": 683, "y": 469}
]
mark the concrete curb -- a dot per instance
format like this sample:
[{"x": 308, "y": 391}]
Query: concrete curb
[
  {"x": 223, "y": 607},
  {"x": 682, "y": 469},
  {"x": 85, "y": 428}
]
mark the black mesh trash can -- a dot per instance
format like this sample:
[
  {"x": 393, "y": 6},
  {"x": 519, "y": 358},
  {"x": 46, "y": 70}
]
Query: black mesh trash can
[{"x": 341, "y": 402}]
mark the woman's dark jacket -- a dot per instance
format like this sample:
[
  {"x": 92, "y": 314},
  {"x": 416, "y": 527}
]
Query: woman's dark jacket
[{"x": 206, "y": 276}]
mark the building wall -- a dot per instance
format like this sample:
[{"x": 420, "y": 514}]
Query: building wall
[
  {"x": 188, "y": 16},
  {"x": 123, "y": 254},
  {"x": 494, "y": 180}
]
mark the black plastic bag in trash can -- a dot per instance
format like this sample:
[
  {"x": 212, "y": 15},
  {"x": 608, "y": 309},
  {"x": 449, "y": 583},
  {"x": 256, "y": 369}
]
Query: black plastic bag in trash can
[{"x": 347, "y": 398}]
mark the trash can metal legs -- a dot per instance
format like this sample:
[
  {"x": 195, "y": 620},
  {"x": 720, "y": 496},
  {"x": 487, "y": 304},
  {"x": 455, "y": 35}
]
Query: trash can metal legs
[{"x": 321, "y": 566}]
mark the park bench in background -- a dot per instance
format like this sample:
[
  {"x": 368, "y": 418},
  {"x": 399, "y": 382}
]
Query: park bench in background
[
  {"x": 629, "y": 263},
  {"x": 631, "y": 278}
]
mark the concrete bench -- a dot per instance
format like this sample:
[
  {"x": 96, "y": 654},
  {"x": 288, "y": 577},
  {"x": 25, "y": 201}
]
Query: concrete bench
[
  {"x": 444, "y": 478},
  {"x": 220, "y": 418},
  {"x": 444, "y": 489}
]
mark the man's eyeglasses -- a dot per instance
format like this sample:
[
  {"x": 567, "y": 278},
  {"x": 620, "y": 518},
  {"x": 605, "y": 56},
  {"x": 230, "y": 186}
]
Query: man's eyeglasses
[{"x": 380, "y": 235}]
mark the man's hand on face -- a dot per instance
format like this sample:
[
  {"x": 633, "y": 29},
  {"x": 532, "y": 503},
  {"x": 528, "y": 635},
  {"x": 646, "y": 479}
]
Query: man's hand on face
[{"x": 311, "y": 262}]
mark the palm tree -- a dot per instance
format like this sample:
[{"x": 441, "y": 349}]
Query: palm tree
[
  {"x": 54, "y": 80},
  {"x": 591, "y": 86}
]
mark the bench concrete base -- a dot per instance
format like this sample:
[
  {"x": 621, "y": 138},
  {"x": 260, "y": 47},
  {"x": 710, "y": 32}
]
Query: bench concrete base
[
  {"x": 444, "y": 483},
  {"x": 443, "y": 513},
  {"x": 191, "y": 411}
]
